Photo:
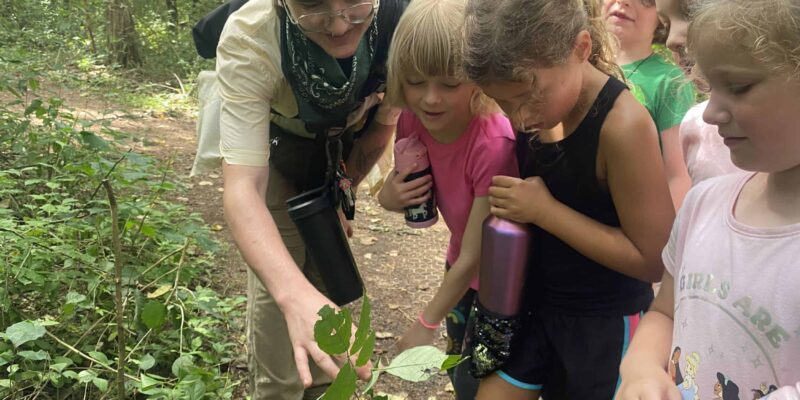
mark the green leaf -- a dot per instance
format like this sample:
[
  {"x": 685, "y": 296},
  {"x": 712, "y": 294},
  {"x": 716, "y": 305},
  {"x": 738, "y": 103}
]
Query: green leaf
[
  {"x": 75, "y": 298},
  {"x": 344, "y": 386},
  {"x": 146, "y": 362},
  {"x": 332, "y": 331},
  {"x": 154, "y": 314},
  {"x": 181, "y": 364},
  {"x": 365, "y": 352},
  {"x": 149, "y": 381},
  {"x": 451, "y": 361},
  {"x": 417, "y": 364},
  {"x": 34, "y": 355},
  {"x": 86, "y": 376},
  {"x": 99, "y": 357},
  {"x": 364, "y": 326},
  {"x": 372, "y": 381},
  {"x": 35, "y": 105},
  {"x": 94, "y": 141},
  {"x": 101, "y": 384},
  {"x": 59, "y": 367},
  {"x": 23, "y": 332},
  {"x": 5, "y": 383}
]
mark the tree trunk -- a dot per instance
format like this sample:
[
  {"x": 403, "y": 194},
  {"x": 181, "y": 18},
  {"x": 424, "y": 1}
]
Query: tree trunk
[
  {"x": 172, "y": 10},
  {"x": 123, "y": 42}
]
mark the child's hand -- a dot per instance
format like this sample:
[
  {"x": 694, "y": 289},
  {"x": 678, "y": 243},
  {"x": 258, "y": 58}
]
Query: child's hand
[
  {"x": 416, "y": 335},
  {"x": 396, "y": 194},
  {"x": 519, "y": 200},
  {"x": 648, "y": 384}
]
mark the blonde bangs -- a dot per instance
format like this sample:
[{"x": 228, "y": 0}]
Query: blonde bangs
[{"x": 427, "y": 42}]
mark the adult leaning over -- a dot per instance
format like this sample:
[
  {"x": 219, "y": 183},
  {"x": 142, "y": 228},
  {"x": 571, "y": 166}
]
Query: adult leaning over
[{"x": 293, "y": 75}]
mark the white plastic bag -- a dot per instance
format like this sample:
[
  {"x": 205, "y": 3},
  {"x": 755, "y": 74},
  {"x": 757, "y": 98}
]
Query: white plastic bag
[{"x": 208, "y": 158}]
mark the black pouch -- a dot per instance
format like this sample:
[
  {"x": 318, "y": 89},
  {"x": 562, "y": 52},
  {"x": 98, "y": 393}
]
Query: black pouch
[
  {"x": 489, "y": 346},
  {"x": 302, "y": 160}
]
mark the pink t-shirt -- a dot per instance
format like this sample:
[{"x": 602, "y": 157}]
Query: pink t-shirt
[
  {"x": 737, "y": 297},
  {"x": 463, "y": 170},
  {"x": 705, "y": 153}
]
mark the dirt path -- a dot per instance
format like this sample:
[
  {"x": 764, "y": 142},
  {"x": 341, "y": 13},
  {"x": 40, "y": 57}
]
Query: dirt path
[{"x": 401, "y": 267}]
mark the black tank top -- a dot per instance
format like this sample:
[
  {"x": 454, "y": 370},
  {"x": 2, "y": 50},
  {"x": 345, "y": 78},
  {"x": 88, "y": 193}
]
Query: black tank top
[{"x": 563, "y": 280}]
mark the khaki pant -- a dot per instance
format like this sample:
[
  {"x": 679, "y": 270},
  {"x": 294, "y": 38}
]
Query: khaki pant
[{"x": 273, "y": 372}]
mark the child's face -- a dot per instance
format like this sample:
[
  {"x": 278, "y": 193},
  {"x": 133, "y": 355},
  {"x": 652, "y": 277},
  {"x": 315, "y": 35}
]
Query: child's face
[
  {"x": 755, "y": 108},
  {"x": 441, "y": 103},
  {"x": 541, "y": 105},
  {"x": 675, "y": 17},
  {"x": 630, "y": 21}
]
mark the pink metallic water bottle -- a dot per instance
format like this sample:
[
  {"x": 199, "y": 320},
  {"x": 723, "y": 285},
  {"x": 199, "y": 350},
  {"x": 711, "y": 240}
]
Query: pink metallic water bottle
[
  {"x": 408, "y": 151},
  {"x": 505, "y": 246}
]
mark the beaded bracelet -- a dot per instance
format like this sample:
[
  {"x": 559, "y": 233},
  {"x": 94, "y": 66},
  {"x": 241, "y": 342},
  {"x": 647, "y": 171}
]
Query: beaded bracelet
[{"x": 427, "y": 324}]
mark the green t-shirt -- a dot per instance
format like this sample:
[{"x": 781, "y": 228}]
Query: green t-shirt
[{"x": 662, "y": 88}]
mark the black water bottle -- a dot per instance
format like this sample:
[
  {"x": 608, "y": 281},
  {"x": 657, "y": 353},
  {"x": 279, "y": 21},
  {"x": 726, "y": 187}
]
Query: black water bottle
[{"x": 314, "y": 214}]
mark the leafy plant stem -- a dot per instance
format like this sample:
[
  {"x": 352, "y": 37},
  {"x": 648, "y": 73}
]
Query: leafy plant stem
[
  {"x": 157, "y": 263},
  {"x": 88, "y": 357},
  {"x": 118, "y": 292},
  {"x": 88, "y": 331}
]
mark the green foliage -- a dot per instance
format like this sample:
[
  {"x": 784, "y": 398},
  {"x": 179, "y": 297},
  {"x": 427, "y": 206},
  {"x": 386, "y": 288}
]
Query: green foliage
[
  {"x": 58, "y": 328},
  {"x": 332, "y": 333},
  {"x": 66, "y": 41}
]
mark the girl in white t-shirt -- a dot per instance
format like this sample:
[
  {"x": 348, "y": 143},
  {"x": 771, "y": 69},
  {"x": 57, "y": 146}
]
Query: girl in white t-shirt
[{"x": 732, "y": 288}]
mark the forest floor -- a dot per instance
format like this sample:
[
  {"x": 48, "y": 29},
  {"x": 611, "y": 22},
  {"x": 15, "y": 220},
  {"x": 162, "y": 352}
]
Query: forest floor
[{"x": 401, "y": 267}]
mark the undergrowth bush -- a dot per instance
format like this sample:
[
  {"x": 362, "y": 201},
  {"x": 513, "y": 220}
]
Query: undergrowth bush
[{"x": 89, "y": 237}]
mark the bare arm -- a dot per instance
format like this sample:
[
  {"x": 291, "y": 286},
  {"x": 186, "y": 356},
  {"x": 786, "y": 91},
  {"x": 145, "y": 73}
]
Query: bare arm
[
  {"x": 629, "y": 152},
  {"x": 465, "y": 269},
  {"x": 456, "y": 281},
  {"x": 367, "y": 150},
  {"x": 260, "y": 243},
  {"x": 674, "y": 165},
  {"x": 644, "y": 368}
]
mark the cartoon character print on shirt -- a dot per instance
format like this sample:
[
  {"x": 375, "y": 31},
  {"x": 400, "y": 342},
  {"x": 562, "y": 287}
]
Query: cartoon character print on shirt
[
  {"x": 739, "y": 338},
  {"x": 725, "y": 389},
  {"x": 688, "y": 387},
  {"x": 763, "y": 391},
  {"x": 674, "y": 367}
]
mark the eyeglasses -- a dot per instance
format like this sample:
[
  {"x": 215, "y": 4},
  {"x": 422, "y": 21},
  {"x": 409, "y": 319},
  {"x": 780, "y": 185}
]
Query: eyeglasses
[{"x": 320, "y": 21}]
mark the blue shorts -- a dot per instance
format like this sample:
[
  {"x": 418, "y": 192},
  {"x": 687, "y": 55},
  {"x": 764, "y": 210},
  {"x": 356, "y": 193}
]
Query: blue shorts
[{"x": 569, "y": 357}]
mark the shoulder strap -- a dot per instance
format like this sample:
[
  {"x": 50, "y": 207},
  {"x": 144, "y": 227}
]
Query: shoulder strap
[
  {"x": 207, "y": 31},
  {"x": 388, "y": 15}
]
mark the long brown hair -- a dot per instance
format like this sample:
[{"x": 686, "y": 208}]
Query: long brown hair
[{"x": 506, "y": 38}]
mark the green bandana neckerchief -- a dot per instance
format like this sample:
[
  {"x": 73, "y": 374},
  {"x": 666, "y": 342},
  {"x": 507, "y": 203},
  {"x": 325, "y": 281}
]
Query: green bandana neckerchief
[{"x": 325, "y": 95}]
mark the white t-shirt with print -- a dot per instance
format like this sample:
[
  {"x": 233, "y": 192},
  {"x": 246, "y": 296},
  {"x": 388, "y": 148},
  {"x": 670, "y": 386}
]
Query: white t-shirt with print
[{"x": 737, "y": 298}]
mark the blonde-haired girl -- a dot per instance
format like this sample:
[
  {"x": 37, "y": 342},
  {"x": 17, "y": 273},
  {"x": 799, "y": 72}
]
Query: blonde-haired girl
[
  {"x": 599, "y": 206},
  {"x": 730, "y": 291},
  {"x": 468, "y": 141}
]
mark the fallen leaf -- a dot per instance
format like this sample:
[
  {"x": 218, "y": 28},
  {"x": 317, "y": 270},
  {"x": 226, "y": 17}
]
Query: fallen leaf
[
  {"x": 213, "y": 176},
  {"x": 399, "y": 396},
  {"x": 368, "y": 256},
  {"x": 205, "y": 183},
  {"x": 216, "y": 227},
  {"x": 368, "y": 240},
  {"x": 384, "y": 335},
  {"x": 219, "y": 189},
  {"x": 393, "y": 306},
  {"x": 160, "y": 291},
  {"x": 449, "y": 387}
]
